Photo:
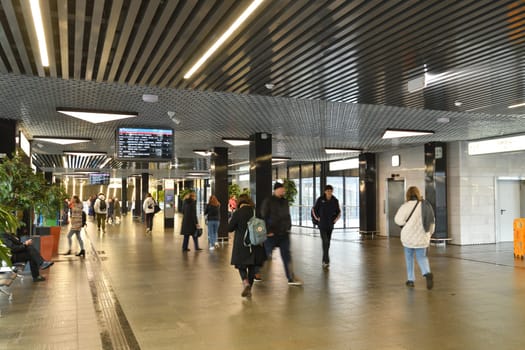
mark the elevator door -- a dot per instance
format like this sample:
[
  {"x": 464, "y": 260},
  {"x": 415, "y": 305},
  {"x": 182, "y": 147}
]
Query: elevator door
[{"x": 395, "y": 197}]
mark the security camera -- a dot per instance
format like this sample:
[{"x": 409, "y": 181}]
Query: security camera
[{"x": 171, "y": 114}]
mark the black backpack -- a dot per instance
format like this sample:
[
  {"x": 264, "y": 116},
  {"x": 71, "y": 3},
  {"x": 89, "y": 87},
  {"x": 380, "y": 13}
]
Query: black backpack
[{"x": 102, "y": 204}]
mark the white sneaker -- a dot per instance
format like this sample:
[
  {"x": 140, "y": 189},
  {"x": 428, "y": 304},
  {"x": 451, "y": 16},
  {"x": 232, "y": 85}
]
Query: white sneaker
[
  {"x": 295, "y": 282},
  {"x": 217, "y": 245},
  {"x": 212, "y": 248}
]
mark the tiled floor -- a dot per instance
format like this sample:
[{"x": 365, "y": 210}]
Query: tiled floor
[{"x": 138, "y": 291}]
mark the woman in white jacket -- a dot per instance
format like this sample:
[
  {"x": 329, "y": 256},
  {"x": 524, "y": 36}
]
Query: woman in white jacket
[
  {"x": 149, "y": 211},
  {"x": 416, "y": 216}
]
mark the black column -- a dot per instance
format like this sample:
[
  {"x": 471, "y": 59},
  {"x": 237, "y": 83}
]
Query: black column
[
  {"x": 8, "y": 137},
  {"x": 367, "y": 193},
  {"x": 145, "y": 187},
  {"x": 124, "y": 199},
  {"x": 219, "y": 186},
  {"x": 436, "y": 184},
  {"x": 138, "y": 203},
  {"x": 48, "y": 177},
  {"x": 260, "y": 167}
]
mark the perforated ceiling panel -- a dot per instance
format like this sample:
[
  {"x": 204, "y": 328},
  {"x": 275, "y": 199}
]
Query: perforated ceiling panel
[{"x": 338, "y": 70}]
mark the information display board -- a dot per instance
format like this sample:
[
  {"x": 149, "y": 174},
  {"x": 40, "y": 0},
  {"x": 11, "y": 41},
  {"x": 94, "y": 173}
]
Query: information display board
[
  {"x": 99, "y": 179},
  {"x": 144, "y": 144}
]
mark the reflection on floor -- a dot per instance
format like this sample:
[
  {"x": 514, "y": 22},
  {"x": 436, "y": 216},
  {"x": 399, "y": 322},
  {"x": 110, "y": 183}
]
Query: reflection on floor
[{"x": 139, "y": 291}]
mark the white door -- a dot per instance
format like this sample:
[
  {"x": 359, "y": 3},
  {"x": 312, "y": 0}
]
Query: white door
[{"x": 507, "y": 209}]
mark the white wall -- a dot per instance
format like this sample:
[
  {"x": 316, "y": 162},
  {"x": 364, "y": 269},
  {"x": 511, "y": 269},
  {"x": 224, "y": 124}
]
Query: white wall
[
  {"x": 412, "y": 169},
  {"x": 471, "y": 192}
]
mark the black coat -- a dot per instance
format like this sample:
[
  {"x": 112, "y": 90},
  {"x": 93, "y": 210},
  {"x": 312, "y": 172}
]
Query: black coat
[
  {"x": 241, "y": 255},
  {"x": 327, "y": 211},
  {"x": 189, "y": 217},
  {"x": 14, "y": 244},
  {"x": 276, "y": 213}
]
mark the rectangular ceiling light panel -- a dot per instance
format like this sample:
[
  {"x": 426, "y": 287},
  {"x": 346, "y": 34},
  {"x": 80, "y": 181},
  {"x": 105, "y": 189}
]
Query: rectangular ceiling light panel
[
  {"x": 60, "y": 140},
  {"x": 352, "y": 163},
  {"x": 499, "y": 145},
  {"x": 398, "y": 133},
  {"x": 96, "y": 117}
]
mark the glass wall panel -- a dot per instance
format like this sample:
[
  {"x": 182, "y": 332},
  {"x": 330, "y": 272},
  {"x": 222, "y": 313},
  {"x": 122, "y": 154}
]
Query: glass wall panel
[
  {"x": 337, "y": 183},
  {"x": 351, "y": 208}
]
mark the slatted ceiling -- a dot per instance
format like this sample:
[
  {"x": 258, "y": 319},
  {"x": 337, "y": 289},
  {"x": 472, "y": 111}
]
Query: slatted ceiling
[{"x": 358, "y": 51}]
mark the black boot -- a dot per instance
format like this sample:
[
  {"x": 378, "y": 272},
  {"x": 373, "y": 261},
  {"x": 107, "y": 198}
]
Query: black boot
[
  {"x": 430, "y": 280},
  {"x": 82, "y": 253},
  {"x": 68, "y": 252}
]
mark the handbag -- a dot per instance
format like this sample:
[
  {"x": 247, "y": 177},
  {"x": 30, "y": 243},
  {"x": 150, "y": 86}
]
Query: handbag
[
  {"x": 198, "y": 232},
  {"x": 156, "y": 209}
]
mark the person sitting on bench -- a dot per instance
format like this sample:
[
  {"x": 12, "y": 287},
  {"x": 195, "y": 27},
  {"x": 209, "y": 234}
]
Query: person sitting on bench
[{"x": 24, "y": 251}]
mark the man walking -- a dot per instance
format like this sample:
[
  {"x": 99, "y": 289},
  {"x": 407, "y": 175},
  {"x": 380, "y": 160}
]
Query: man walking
[
  {"x": 101, "y": 209},
  {"x": 326, "y": 211},
  {"x": 276, "y": 212}
]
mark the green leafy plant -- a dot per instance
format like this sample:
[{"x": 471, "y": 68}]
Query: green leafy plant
[
  {"x": 184, "y": 192},
  {"x": 234, "y": 190},
  {"x": 291, "y": 191},
  {"x": 21, "y": 189},
  {"x": 9, "y": 224}
]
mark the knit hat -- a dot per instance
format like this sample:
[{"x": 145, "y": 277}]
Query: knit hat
[{"x": 277, "y": 185}]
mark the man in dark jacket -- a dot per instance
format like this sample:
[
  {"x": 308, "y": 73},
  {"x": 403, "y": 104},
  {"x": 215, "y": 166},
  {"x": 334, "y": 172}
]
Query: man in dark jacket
[
  {"x": 24, "y": 251},
  {"x": 326, "y": 211},
  {"x": 276, "y": 212}
]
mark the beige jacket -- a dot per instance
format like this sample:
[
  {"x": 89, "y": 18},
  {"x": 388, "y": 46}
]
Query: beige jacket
[{"x": 413, "y": 234}]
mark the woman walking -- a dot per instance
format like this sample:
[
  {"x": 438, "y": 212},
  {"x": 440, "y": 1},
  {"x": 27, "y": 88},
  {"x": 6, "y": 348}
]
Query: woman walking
[
  {"x": 149, "y": 211},
  {"x": 245, "y": 258},
  {"x": 76, "y": 225},
  {"x": 213, "y": 216},
  {"x": 190, "y": 223},
  {"x": 416, "y": 216}
]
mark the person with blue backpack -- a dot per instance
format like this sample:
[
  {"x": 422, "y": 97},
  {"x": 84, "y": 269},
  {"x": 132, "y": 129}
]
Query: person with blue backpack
[{"x": 246, "y": 256}]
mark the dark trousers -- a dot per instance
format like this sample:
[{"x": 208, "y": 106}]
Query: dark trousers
[
  {"x": 149, "y": 220},
  {"x": 326, "y": 236},
  {"x": 283, "y": 242},
  {"x": 186, "y": 240},
  {"x": 34, "y": 257},
  {"x": 247, "y": 272}
]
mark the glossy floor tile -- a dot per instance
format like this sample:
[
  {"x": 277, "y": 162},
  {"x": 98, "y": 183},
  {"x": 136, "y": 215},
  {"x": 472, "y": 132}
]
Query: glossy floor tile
[{"x": 140, "y": 291}]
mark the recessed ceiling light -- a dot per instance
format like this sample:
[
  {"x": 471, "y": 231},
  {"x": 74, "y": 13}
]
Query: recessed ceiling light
[
  {"x": 60, "y": 140},
  {"x": 458, "y": 103},
  {"x": 443, "y": 120},
  {"x": 96, "y": 116},
  {"x": 236, "y": 142},
  {"x": 330, "y": 150},
  {"x": 397, "y": 133},
  {"x": 202, "y": 152},
  {"x": 85, "y": 154},
  {"x": 253, "y": 6},
  {"x": 150, "y": 98},
  {"x": 39, "y": 29},
  {"x": 269, "y": 86},
  {"x": 517, "y": 105}
]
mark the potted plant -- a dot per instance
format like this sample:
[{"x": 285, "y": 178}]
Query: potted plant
[
  {"x": 291, "y": 191},
  {"x": 22, "y": 190},
  {"x": 8, "y": 224}
]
